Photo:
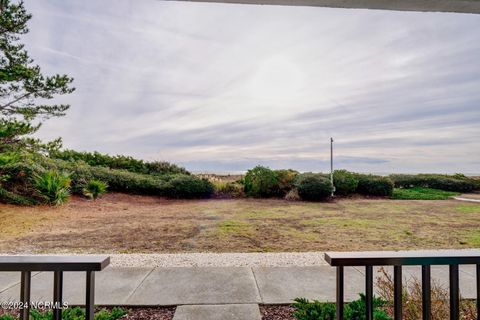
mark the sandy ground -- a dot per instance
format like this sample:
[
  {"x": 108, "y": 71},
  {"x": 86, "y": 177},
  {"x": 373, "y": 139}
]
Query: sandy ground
[{"x": 123, "y": 224}]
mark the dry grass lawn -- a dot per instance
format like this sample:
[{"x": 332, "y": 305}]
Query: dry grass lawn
[{"x": 128, "y": 224}]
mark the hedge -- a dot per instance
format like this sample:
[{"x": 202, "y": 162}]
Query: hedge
[
  {"x": 127, "y": 163},
  {"x": 373, "y": 185},
  {"x": 313, "y": 187},
  {"x": 456, "y": 183},
  {"x": 261, "y": 182},
  {"x": 345, "y": 182}
]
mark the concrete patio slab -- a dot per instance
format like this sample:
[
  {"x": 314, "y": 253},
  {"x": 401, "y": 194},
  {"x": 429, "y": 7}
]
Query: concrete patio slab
[
  {"x": 211, "y": 285},
  {"x": 283, "y": 284},
  {"x": 216, "y": 285},
  {"x": 218, "y": 312},
  {"x": 113, "y": 286},
  {"x": 10, "y": 279}
]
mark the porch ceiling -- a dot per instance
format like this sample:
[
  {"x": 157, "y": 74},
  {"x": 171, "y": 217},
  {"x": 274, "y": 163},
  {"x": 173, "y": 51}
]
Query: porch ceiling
[{"x": 461, "y": 6}]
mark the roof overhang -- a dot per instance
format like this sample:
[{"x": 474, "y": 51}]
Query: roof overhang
[{"x": 461, "y": 6}]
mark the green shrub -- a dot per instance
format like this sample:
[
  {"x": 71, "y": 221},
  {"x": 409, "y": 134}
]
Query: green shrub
[
  {"x": 117, "y": 180},
  {"x": 355, "y": 310},
  {"x": 456, "y": 183},
  {"x": 313, "y": 187},
  {"x": 78, "y": 313},
  {"x": 119, "y": 162},
  {"x": 95, "y": 188},
  {"x": 189, "y": 187},
  {"x": 16, "y": 182},
  {"x": 374, "y": 185},
  {"x": 53, "y": 186},
  {"x": 13, "y": 198},
  {"x": 315, "y": 310},
  {"x": 261, "y": 182},
  {"x": 345, "y": 182},
  {"x": 286, "y": 180},
  {"x": 163, "y": 167},
  {"x": 419, "y": 193},
  {"x": 228, "y": 190}
]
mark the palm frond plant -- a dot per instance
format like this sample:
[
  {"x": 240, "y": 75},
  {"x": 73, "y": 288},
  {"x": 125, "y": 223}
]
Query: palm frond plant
[
  {"x": 53, "y": 186},
  {"x": 94, "y": 189}
]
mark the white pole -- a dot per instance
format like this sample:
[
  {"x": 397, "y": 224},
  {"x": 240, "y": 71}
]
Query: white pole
[{"x": 331, "y": 166}]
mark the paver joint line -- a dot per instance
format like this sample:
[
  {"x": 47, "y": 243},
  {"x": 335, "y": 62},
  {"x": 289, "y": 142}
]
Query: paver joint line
[
  {"x": 256, "y": 284},
  {"x": 138, "y": 286},
  {"x": 17, "y": 283}
]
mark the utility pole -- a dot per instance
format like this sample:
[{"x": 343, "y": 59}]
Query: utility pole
[{"x": 331, "y": 166}]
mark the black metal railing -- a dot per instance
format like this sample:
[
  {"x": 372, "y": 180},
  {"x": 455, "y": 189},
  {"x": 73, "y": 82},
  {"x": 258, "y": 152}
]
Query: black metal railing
[
  {"x": 57, "y": 265},
  {"x": 397, "y": 259}
]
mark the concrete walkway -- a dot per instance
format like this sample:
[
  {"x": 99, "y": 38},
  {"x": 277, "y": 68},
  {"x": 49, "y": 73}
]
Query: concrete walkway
[
  {"x": 467, "y": 199},
  {"x": 214, "y": 292}
]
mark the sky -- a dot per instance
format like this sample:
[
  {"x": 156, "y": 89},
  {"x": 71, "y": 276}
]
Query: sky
[{"x": 225, "y": 87}]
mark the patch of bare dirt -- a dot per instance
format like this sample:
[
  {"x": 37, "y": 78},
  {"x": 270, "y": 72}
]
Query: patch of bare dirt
[{"x": 277, "y": 312}]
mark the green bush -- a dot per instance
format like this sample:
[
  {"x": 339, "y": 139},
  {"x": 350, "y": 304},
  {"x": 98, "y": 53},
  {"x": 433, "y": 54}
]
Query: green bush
[
  {"x": 355, "y": 310},
  {"x": 286, "y": 181},
  {"x": 75, "y": 313},
  {"x": 374, "y": 185},
  {"x": 53, "y": 186},
  {"x": 163, "y": 167},
  {"x": 119, "y": 162},
  {"x": 94, "y": 189},
  {"x": 13, "y": 198},
  {"x": 117, "y": 180},
  {"x": 313, "y": 187},
  {"x": 16, "y": 179},
  {"x": 315, "y": 310},
  {"x": 456, "y": 183},
  {"x": 189, "y": 187},
  {"x": 419, "y": 193},
  {"x": 261, "y": 182},
  {"x": 345, "y": 182}
]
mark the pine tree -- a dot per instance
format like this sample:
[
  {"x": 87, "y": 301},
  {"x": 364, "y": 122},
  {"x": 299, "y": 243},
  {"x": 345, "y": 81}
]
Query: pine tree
[{"x": 24, "y": 90}]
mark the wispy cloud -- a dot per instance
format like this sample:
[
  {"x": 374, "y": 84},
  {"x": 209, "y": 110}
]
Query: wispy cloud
[{"x": 225, "y": 87}]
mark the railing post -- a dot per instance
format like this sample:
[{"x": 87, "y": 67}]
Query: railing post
[
  {"x": 90, "y": 296},
  {"x": 397, "y": 292},
  {"x": 57, "y": 294},
  {"x": 369, "y": 292},
  {"x": 340, "y": 293},
  {"x": 454, "y": 292},
  {"x": 426, "y": 292},
  {"x": 478, "y": 291},
  {"x": 25, "y": 285}
]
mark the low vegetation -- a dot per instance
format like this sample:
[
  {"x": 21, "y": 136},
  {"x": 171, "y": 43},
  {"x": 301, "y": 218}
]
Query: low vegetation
[
  {"x": 383, "y": 304},
  {"x": 34, "y": 178},
  {"x": 121, "y": 162},
  {"x": 75, "y": 313},
  {"x": 355, "y": 310},
  {"x": 313, "y": 187},
  {"x": 94, "y": 189},
  {"x": 455, "y": 183},
  {"x": 420, "y": 193}
]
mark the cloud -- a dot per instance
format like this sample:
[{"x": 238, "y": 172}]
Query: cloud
[{"x": 225, "y": 87}]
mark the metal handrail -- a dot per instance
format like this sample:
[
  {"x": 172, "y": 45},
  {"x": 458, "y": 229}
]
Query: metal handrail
[
  {"x": 56, "y": 264},
  {"x": 397, "y": 259}
]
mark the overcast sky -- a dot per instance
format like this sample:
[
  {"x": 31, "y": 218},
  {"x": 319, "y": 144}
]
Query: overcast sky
[{"x": 218, "y": 87}]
